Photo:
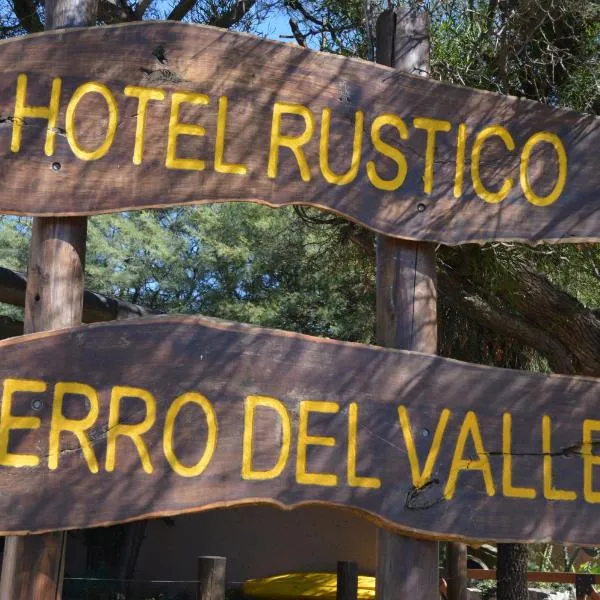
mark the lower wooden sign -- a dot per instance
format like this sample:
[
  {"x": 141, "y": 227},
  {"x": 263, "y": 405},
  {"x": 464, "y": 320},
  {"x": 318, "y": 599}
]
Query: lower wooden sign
[{"x": 164, "y": 416}]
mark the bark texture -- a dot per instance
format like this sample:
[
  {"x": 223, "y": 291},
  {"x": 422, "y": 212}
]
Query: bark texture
[
  {"x": 534, "y": 312},
  {"x": 512, "y": 572}
]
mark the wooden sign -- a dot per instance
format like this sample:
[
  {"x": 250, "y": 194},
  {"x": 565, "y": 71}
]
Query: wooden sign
[
  {"x": 169, "y": 415},
  {"x": 158, "y": 114}
]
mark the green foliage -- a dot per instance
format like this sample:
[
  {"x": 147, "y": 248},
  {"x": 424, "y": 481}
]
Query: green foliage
[
  {"x": 590, "y": 567},
  {"x": 242, "y": 262}
]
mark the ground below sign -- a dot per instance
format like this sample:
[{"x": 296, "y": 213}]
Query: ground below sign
[
  {"x": 163, "y": 416},
  {"x": 157, "y": 114}
]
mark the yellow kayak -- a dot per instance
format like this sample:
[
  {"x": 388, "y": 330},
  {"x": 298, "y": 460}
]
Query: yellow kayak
[{"x": 293, "y": 586}]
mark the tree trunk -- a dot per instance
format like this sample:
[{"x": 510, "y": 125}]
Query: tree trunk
[{"x": 512, "y": 572}]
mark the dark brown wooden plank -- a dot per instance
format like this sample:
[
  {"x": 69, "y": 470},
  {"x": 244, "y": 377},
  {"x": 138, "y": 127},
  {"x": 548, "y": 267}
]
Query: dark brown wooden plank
[
  {"x": 255, "y": 75},
  {"x": 406, "y": 314},
  {"x": 55, "y": 487}
]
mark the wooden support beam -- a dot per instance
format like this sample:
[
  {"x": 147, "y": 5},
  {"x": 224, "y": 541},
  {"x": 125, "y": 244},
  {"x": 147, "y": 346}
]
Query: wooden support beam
[
  {"x": 347, "y": 581},
  {"x": 96, "y": 307},
  {"x": 33, "y": 566},
  {"x": 211, "y": 577},
  {"x": 406, "y": 316},
  {"x": 456, "y": 571}
]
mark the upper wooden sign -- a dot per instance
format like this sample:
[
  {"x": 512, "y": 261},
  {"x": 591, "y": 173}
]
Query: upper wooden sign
[
  {"x": 104, "y": 424},
  {"x": 158, "y": 114}
]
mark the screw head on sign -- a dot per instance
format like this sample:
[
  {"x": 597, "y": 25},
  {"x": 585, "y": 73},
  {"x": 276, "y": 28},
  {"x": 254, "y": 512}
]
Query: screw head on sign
[
  {"x": 424, "y": 432},
  {"x": 56, "y": 166},
  {"x": 37, "y": 405},
  {"x": 421, "y": 207}
]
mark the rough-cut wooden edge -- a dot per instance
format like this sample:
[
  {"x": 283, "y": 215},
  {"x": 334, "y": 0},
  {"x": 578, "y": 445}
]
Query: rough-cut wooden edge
[
  {"x": 404, "y": 236},
  {"x": 222, "y": 325},
  {"x": 258, "y": 501}
]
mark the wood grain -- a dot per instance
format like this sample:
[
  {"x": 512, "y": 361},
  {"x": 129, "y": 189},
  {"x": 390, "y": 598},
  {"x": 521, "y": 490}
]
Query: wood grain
[
  {"x": 406, "y": 314},
  {"x": 254, "y": 74},
  {"x": 211, "y": 577},
  {"x": 227, "y": 363}
]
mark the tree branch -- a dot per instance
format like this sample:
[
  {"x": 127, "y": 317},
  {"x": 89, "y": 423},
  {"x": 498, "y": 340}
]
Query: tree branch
[
  {"x": 141, "y": 8},
  {"x": 563, "y": 317},
  {"x": 116, "y": 11},
  {"x": 26, "y": 12},
  {"x": 473, "y": 304},
  {"x": 298, "y": 35},
  {"x": 227, "y": 19}
]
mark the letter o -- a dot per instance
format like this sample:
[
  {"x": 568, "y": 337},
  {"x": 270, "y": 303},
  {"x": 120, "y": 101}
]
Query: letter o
[
  {"x": 532, "y": 142},
  {"x": 113, "y": 117},
  {"x": 211, "y": 442}
]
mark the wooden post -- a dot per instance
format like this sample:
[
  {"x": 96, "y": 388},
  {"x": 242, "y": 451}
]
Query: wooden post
[
  {"x": 33, "y": 566},
  {"x": 407, "y": 568},
  {"x": 211, "y": 577},
  {"x": 347, "y": 581},
  {"x": 457, "y": 571}
]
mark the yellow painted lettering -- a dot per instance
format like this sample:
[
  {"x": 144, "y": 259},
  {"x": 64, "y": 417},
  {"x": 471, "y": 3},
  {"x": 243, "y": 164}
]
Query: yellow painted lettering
[
  {"x": 470, "y": 427},
  {"x": 432, "y": 126},
  {"x": 133, "y": 432},
  {"x": 220, "y": 165},
  {"x": 305, "y": 440},
  {"x": 92, "y": 87},
  {"x": 561, "y": 181},
  {"x": 248, "y": 472},
  {"x": 388, "y": 185},
  {"x": 550, "y": 492},
  {"x": 211, "y": 441},
  {"x": 144, "y": 95},
  {"x": 350, "y": 175},
  {"x": 176, "y": 129},
  {"x": 480, "y": 189},
  {"x": 420, "y": 478},
  {"x": 77, "y": 427},
  {"x": 353, "y": 479},
  {"x": 293, "y": 143},
  {"x": 23, "y": 111},
  {"x": 9, "y": 422},
  {"x": 508, "y": 489},
  {"x": 461, "y": 145},
  {"x": 590, "y": 460}
]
